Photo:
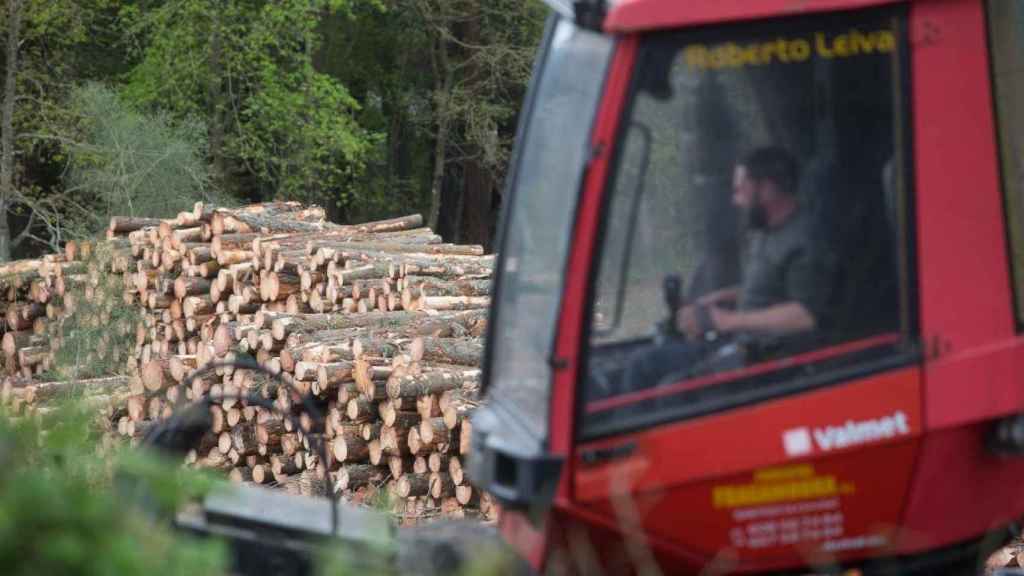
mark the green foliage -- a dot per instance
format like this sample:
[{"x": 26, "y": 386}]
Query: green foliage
[
  {"x": 59, "y": 513},
  {"x": 248, "y": 68},
  {"x": 304, "y": 142},
  {"x": 421, "y": 64},
  {"x": 61, "y": 43},
  {"x": 337, "y": 102},
  {"x": 57, "y": 40},
  {"x": 125, "y": 162},
  {"x": 496, "y": 68}
]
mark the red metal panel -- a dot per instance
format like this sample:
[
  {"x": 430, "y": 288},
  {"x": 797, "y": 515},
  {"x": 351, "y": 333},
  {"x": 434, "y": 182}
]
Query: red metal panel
[
  {"x": 960, "y": 490},
  {"x": 570, "y": 323},
  {"x": 979, "y": 384},
  {"x": 633, "y": 15},
  {"x": 964, "y": 281},
  {"x": 855, "y": 514},
  {"x": 967, "y": 325},
  {"x": 748, "y": 438},
  {"x": 726, "y": 486}
]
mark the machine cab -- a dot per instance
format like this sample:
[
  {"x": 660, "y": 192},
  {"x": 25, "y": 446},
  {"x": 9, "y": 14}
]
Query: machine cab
[{"x": 757, "y": 300}]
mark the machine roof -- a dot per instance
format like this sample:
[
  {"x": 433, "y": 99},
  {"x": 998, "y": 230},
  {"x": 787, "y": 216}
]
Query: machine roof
[{"x": 637, "y": 15}]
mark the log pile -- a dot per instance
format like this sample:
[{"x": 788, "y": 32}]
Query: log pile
[
  {"x": 382, "y": 322},
  {"x": 103, "y": 397},
  {"x": 39, "y": 297}
]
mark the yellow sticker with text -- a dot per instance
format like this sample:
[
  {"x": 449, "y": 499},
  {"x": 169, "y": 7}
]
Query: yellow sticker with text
[
  {"x": 778, "y": 485},
  {"x": 789, "y": 50}
]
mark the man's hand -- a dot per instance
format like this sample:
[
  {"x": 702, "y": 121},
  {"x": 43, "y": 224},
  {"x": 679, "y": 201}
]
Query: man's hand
[
  {"x": 686, "y": 321},
  {"x": 723, "y": 320}
]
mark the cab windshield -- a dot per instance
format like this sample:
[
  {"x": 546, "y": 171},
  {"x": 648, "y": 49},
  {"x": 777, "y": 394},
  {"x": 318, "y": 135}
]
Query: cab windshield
[
  {"x": 761, "y": 169},
  {"x": 550, "y": 161}
]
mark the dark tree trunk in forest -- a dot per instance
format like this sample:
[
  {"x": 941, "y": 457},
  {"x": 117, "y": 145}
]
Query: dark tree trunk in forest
[
  {"x": 474, "y": 196},
  {"x": 394, "y": 106},
  {"x": 7, "y": 126},
  {"x": 394, "y": 111},
  {"x": 459, "y": 202},
  {"x": 477, "y": 199},
  {"x": 442, "y": 89}
]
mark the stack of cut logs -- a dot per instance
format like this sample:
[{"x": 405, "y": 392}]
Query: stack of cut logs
[
  {"x": 381, "y": 322},
  {"x": 35, "y": 296}
]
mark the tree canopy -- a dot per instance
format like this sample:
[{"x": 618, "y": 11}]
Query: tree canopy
[{"x": 367, "y": 107}]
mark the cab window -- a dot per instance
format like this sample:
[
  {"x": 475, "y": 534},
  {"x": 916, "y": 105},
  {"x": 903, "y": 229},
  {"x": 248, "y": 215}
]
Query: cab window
[
  {"x": 1006, "y": 47},
  {"x": 755, "y": 237}
]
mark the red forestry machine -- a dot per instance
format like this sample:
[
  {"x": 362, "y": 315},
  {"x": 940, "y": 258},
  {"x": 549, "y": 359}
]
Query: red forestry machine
[
  {"x": 759, "y": 300},
  {"x": 760, "y": 291}
]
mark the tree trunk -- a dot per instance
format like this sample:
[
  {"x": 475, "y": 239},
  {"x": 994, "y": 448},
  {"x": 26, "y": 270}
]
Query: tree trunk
[
  {"x": 477, "y": 200},
  {"x": 474, "y": 201},
  {"x": 392, "y": 106},
  {"x": 442, "y": 92},
  {"x": 7, "y": 126}
]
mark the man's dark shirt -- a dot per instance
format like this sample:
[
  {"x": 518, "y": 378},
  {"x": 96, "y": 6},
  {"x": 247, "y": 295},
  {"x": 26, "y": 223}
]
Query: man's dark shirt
[{"x": 785, "y": 264}]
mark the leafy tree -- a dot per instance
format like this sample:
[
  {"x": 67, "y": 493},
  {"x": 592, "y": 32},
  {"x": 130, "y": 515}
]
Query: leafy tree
[
  {"x": 491, "y": 48},
  {"x": 365, "y": 106},
  {"x": 247, "y": 68},
  {"x": 125, "y": 162},
  {"x": 48, "y": 46},
  {"x": 380, "y": 53},
  {"x": 443, "y": 80}
]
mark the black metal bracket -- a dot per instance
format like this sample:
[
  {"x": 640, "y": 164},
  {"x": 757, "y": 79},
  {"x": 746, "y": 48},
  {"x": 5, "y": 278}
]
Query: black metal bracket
[
  {"x": 598, "y": 455},
  {"x": 590, "y": 14}
]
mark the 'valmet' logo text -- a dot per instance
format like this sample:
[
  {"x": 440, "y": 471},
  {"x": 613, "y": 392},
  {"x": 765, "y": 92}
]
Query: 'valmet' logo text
[
  {"x": 797, "y": 440},
  {"x": 853, "y": 433}
]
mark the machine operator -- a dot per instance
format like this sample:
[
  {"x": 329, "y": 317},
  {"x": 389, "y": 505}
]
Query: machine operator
[{"x": 784, "y": 285}]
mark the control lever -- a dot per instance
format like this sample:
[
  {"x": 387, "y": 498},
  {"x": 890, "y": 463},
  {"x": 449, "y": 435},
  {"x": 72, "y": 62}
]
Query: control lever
[{"x": 673, "y": 294}]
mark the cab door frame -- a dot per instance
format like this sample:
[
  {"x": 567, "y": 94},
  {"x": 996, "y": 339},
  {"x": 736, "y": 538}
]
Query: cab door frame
[{"x": 571, "y": 350}]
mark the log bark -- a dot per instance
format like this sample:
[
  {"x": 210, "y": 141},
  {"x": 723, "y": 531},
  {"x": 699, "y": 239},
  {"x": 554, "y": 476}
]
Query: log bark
[
  {"x": 124, "y": 224},
  {"x": 400, "y": 465},
  {"x": 350, "y": 448},
  {"x": 455, "y": 470},
  {"x": 184, "y": 286},
  {"x": 467, "y": 496},
  {"x": 433, "y": 432},
  {"x": 444, "y": 252},
  {"x": 441, "y": 485},
  {"x": 361, "y": 410},
  {"x": 464, "y": 351},
  {"x": 438, "y": 462},
  {"x": 353, "y": 476},
  {"x": 453, "y": 302},
  {"x": 428, "y": 383},
  {"x": 412, "y": 485}
]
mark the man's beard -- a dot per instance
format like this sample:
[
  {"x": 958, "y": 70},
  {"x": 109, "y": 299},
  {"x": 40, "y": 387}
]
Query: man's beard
[{"x": 754, "y": 217}]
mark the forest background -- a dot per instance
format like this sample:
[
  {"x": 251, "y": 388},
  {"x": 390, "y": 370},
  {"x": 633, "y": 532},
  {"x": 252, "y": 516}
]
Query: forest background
[{"x": 369, "y": 108}]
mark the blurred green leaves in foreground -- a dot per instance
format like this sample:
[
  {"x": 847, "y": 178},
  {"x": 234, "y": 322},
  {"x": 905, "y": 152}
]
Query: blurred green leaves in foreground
[
  {"x": 70, "y": 507},
  {"x": 60, "y": 513}
]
